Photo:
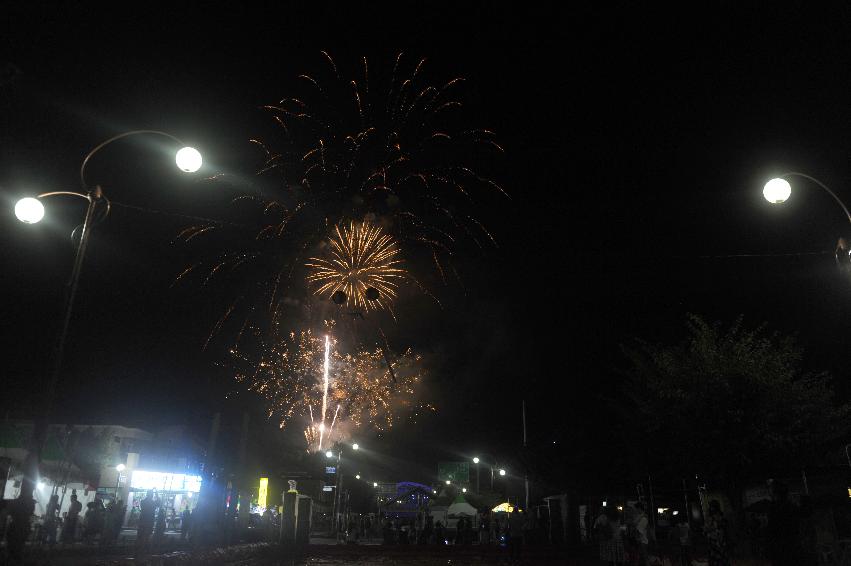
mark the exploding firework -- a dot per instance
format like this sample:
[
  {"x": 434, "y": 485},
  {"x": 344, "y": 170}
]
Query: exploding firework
[
  {"x": 387, "y": 148},
  {"x": 303, "y": 378},
  {"x": 360, "y": 258}
]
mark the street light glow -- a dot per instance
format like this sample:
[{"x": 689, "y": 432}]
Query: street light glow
[
  {"x": 464, "y": 490},
  {"x": 357, "y": 476},
  {"x": 476, "y": 460},
  {"x": 29, "y": 210},
  {"x": 188, "y": 159},
  {"x": 40, "y": 485},
  {"x": 374, "y": 484},
  {"x": 777, "y": 190},
  {"x": 355, "y": 446},
  {"x": 502, "y": 472},
  {"x": 329, "y": 454},
  {"x": 448, "y": 482},
  {"x": 120, "y": 468}
]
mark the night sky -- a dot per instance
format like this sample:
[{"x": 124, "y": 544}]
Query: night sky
[{"x": 637, "y": 143}]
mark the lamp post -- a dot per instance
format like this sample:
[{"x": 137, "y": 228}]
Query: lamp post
[
  {"x": 478, "y": 486},
  {"x": 30, "y": 211},
  {"x": 337, "y": 497}
]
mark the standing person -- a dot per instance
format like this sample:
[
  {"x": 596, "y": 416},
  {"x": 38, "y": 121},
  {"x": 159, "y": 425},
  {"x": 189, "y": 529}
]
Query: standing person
[
  {"x": 603, "y": 535},
  {"x": 69, "y": 531},
  {"x": 684, "y": 536},
  {"x": 516, "y": 528},
  {"x": 147, "y": 509},
  {"x": 51, "y": 518},
  {"x": 642, "y": 523},
  {"x": 160, "y": 523},
  {"x": 439, "y": 533},
  {"x": 783, "y": 545},
  {"x": 485, "y": 529},
  {"x": 185, "y": 519},
  {"x": 716, "y": 535}
]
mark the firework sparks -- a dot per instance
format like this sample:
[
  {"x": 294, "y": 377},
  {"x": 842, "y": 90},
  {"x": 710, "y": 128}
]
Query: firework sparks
[
  {"x": 291, "y": 378},
  {"x": 361, "y": 257}
]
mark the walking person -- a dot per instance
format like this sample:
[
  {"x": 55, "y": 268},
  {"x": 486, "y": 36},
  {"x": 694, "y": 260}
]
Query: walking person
[{"x": 642, "y": 523}]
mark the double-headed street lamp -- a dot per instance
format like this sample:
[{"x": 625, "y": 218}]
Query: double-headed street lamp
[
  {"x": 31, "y": 210},
  {"x": 493, "y": 468}
]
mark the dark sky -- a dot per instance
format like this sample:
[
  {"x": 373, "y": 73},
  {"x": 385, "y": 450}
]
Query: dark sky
[{"x": 637, "y": 142}]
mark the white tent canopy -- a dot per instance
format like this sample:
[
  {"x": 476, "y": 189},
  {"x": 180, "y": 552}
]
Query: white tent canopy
[{"x": 461, "y": 508}]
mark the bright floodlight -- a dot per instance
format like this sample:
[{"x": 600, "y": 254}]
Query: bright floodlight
[
  {"x": 29, "y": 210},
  {"x": 329, "y": 454},
  {"x": 476, "y": 460},
  {"x": 120, "y": 468},
  {"x": 357, "y": 476},
  {"x": 40, "y": 485},
  {"x": 448, "y": 482},
  {"x": 355, "y": 446},
  {"x": 188, "y": 159},
  {"x": 502, "y": 472},
  {"x": 777, "y": 190},
  {"x": 375, "y": 484},
  {"x": 464, "y": 489}
]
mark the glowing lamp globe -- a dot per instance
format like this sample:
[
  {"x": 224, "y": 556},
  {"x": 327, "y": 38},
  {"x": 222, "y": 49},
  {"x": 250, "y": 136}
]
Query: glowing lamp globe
[
  {"x": 329, "y": 454},
  {"x": 776, "y": 191},
  {"x": 355, "y": 446},
  {"x": 29, "y": 210},
  {"x": 120, "y": 468},
  {"x": 476, "y": 460},
  {"x": 502, "y": 472},
  {"x": 188, "y": 159}
]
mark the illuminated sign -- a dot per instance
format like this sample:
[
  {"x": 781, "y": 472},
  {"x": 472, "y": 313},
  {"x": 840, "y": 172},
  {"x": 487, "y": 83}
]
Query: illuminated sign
[
  {"x": 503, "y": 508},
  {"x": 330, "y": 470},
  {"x": 162, "y": 481},
  {"x": 328, "y": 488},
  {"x": 264, "y": 490}
]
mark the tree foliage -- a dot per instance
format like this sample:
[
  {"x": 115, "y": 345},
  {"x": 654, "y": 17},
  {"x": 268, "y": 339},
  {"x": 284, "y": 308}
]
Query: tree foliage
[{"x": 730, "y": 404}]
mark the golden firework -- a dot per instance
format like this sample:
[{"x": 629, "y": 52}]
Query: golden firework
[{"x": 363, "y": 262}]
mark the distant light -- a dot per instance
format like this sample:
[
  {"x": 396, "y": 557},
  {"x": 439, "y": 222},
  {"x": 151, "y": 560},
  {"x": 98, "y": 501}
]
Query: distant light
[
  {"x": 434, "y": 491},
  {"x": 188, "y": 159},
  {"x": 189, "y": 494},
  {"x": 374, "y": 484},
  {"x": 620, "y": 507},
  {"x": 604, "y": 503},
  {"x": 502, "y": 472},
  {"x": 329, "y": 454},
  {"x": 448, "y": 482},
  {"x": 29, "y": 210},
  {"x": 357, "y": 476},
  {"x": 355, "y": 446},
  {"x": 777, "y": 190},
  {"x": 676, "y": 512},
  {"x": 120, "y": 468},
  {"x": 476, "y": 460},
  {"x": 464, "y": 490},
  {"x": 40, "y": 485}
]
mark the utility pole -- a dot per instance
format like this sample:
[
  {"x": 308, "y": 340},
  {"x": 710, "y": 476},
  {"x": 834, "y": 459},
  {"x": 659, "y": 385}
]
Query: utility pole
[{"x": 526, "y": 471}]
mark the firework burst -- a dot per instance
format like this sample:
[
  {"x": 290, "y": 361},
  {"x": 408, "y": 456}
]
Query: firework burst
[
  {"x": 360, "y": 257},
  {"x": 390, "y": 149}
]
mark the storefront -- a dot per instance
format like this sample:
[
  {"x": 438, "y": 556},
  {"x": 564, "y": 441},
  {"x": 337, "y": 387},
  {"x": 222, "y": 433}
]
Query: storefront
[{"x": 176, "y": 492}]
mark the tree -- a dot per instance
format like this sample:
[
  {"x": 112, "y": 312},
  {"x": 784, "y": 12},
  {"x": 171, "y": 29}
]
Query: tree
[{"x": 730, "y": 404}]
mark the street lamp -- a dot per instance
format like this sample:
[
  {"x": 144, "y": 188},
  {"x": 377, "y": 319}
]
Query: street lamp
[
  {"x": 329, "y": 454},
  {"x": 355, "y": 446},
  {"x": 778, "y": 190},
  {"x": 30, "y": 211},
  {"x": 501, "y": 472},
  {"x": 120, "y": 468}
]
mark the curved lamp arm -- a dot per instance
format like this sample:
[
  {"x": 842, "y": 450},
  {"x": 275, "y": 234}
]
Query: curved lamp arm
[
  {"x": 93, "y": 195},
  {"x": 823, "y": 186},
  {"x": 114, "y": 138}
]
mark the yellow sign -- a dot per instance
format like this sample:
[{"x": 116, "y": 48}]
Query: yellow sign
[
  {"x": 504, "y": 508},
  {"x": 264, "y": 490}
]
